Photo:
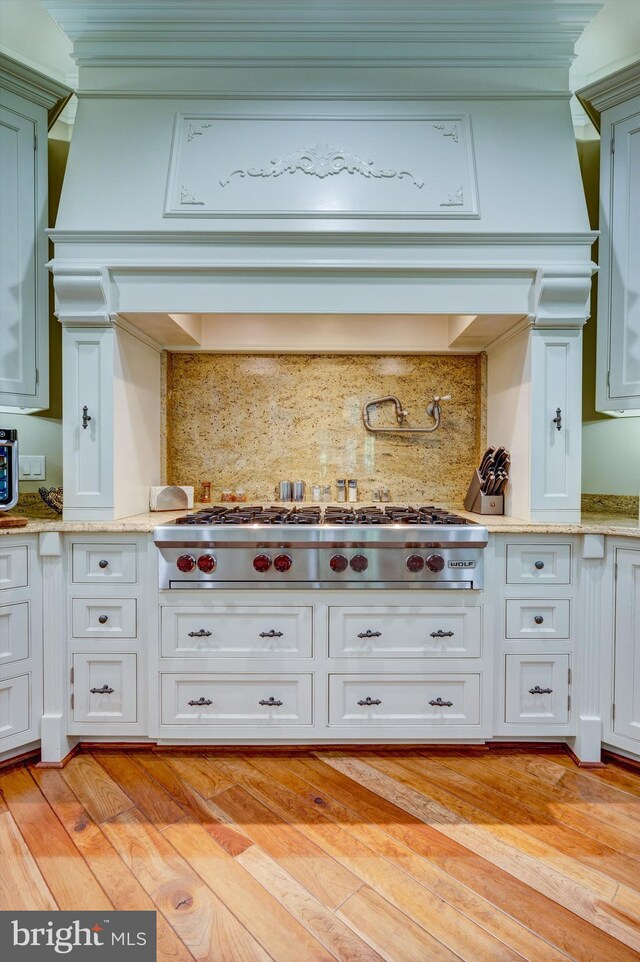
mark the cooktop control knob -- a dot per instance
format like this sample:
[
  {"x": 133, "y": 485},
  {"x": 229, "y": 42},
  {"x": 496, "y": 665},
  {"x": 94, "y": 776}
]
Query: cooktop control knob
[
  {"x": 359, "y": 562},
  {"x": 207, "y": 563},
  {"x": 262, "y": 562},
  {"x": 338, "y": 562},
  {"x": 415, "y": 562},
  {"x": 435, "y": 562},
  {"x": 282, "y": 562},
  {"x": 186, "y": 562}
]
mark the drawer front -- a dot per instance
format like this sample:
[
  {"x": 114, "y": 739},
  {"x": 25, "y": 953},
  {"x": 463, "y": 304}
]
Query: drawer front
[
  {"x": 538, "y": 564},
  {"x": 104, "y": 564},
  {"x": 14, "y": 632},
  {"x": 405, "y": 632},
  {"x": 195, "y": 699},
  {"x": 14, "y": 566},
  {"x": 441, "y": 700},
  {"x": 15, "y": 706},
  {"x": 537, "y": 689},
  {"x": 538, "y": 619},
  {"x": 228, "y": 631},
  {"x": 104, "y": 618},
  {"x": 105, "y": 688}
]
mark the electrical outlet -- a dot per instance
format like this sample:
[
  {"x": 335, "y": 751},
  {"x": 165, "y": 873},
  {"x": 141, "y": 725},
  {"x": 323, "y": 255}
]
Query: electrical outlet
[{"x": 31, "y": 467}]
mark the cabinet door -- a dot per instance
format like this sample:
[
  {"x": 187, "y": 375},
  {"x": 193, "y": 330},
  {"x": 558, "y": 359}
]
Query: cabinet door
[
  {"x": 626, "y": 694},
  {"x": 556, "y": 425},
  {"x": 87, "y": 434},
  {"x": 537, "y": 689}
]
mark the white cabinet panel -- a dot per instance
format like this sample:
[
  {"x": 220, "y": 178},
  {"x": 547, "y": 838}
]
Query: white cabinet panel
[
  {"x": 378, "y": 632},
  {"x": 264, "y": 700},
  {"x": 14, "y": 566},
  {"x": 229, "y": 631},
  {"x": 111, "y": 618},
  {"x": 406, "y": 700},
  {"x": 537, "y": 689},
  {"x": 15, "y": 711},
  {"x": 104, "y": 563},
  {"x": 540, "y": 620},
  {"x": 105, "y": 688},
  {"x": 14, "y": 632},
  {"x": 627, "y": 645},
  {"x": 538, "y": 564}
]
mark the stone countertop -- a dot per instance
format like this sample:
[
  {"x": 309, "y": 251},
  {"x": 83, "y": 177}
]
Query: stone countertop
[{"x": 616, "y": 525}]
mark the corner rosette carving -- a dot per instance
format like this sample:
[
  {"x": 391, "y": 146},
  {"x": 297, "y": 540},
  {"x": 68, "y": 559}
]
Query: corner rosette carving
[{"x": 322, "y": 161}]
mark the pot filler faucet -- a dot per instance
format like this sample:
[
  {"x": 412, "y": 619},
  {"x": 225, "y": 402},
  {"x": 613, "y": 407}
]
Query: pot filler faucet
[{"x": 433, "y": 411}]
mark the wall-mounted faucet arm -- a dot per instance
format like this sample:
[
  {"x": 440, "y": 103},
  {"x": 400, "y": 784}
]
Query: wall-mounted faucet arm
[{"x": 433, "y": 411}]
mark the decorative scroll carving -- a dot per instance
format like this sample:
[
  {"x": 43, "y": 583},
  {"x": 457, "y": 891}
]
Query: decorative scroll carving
[
  {"x": 449, "y": 131},
  {"x": 454, "y": 200},
  {"x": 322, "y": 161},
  {"x": 195, "y": 130},
  {"x": 187, "y": 197}
]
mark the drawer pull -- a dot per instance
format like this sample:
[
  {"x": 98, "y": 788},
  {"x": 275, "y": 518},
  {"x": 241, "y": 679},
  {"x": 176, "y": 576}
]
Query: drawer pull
[
  {"x": 103, "y": 619},
  {"x": 441, "y": 634},
  {"x": 272, "y": 633},
  {"x": 103, "y": 564},
  {"x": 439, "y": 703},
  {"x": 557, "y": 420},
  {"x": 201, "y": 701},
  {"x": 270, "y": 702},
  {"x": 370, "y": 634},
  {"x": 539, "y": 565},
  {"x": 540, "y": 691},
  {"x": 538, "y": 619},
  {"x": 86, "y": 417},
  {"x": 105, "y": 690},
  {"x": 369, "y": 701},
  {"x": 202, "y": 633}
]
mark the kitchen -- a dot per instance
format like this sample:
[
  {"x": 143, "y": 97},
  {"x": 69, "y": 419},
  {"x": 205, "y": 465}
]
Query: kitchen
[{"x": 255, "y": 243}]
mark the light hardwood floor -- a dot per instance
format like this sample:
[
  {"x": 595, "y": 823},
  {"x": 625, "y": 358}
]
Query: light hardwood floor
[{"x": 404, "y": 857}]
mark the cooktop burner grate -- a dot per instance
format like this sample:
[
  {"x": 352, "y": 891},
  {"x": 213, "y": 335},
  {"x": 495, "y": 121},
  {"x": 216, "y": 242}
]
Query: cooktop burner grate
[{"x": 315, "y": 515}]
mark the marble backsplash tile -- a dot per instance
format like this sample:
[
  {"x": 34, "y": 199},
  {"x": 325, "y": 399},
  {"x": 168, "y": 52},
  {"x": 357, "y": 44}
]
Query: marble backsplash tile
[{"x": 247, "y": 421}]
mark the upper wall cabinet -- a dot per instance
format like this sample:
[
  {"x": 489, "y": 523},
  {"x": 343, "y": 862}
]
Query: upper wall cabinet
[
  {"x": 617, "y": 98},
  {"x": 25, "y": 99}
]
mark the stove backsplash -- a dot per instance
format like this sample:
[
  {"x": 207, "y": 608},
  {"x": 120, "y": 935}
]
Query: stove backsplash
[{"x": 247, "y": 421}]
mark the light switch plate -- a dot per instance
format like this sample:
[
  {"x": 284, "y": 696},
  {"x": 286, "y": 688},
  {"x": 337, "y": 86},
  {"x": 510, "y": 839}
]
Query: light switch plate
[{"x": 31, "y": 467}]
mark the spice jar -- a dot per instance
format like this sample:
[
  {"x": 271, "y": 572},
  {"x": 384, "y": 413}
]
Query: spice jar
[
  {"x": 206, "y": 492},
  {"x": 353, "y": 490},
  {"x": 341, "y": 490}
]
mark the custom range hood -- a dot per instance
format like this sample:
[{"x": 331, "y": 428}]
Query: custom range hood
[{"x": 347, "y": 176}]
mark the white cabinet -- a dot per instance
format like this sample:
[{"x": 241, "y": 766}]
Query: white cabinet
[
  {"x": 105, "y": 688},
  {"x": 626, "y": 671},
  {"x": 268, "y": 701},
  {"x": 25, "y": 96},
  {"x": 537, "y": 689},
  {"x": 435, "y": 700},
  {"x": 394, "y": 632}
]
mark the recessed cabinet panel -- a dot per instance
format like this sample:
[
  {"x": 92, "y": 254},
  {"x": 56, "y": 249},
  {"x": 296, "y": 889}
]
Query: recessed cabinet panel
[
  {"x": 15, "y": 710},
  {"x": 377, "y": 632},
  {"x": 538, "y": 564},
  {"x": 112, "y": 618},
  {"x": 105, "y": 688},
  {"x": 436, "y": 700},
  {"x": 627, "y": 645},
  {"x": 14, "y": 632},
  {"x": 104, "y": 563},
  {"x": 537, "y": 689},
  {"x": 14, "y": 566},
  {"x": 269, "y": 701},
  {"x": 227, "y": 631},
  {"x": 543, "y": 620}
]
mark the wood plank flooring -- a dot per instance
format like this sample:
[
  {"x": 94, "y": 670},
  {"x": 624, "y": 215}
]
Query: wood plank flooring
[{"x": 364, "y": 857}]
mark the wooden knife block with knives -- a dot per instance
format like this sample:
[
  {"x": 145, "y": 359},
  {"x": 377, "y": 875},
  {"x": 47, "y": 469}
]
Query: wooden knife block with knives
[{"x": 486, "y": 491}]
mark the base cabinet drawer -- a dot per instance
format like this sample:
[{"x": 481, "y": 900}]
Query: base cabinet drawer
[
  {"x": 15, "y": 709},
  {"x": 410, "y": 632},
  {"x": 111, "y": 618},
  {"x": 227, "y": 631},
  {"x": 537, "y": 689},
  {"x": 105, "y": 688},
  {"x": 538, "y": 564},
  {"x": 104, "y": 563},
  {"x": 434, "y": 699},
  {"x": 542, "y": 620},
  {"x": 14, "y": 632},
  {"x": 14, "y": 566},
  {"x": 225, "y": 699}
]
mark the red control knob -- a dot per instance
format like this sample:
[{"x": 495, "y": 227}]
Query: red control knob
[
  {"x": 435, "y": 562},
  {"x": 262, "y": 562},
  {"x": 207, "y": 563},
  {"x": 415, "y": 562},
  {"x": 282, "y": 562},
  {"x": 186, "y": 562},
  {"x": 359, "y": 562},
  {"x": 338, "y": 562}
]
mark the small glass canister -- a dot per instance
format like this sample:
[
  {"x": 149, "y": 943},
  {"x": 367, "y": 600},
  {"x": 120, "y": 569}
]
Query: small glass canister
[
  {"x": 341, "y": 490},
  {"x": 206, "y": 492},
  {"x": 316, "y": 492},
  {"x": 353, "y": 490},
  {"x": 326, "y": 492}
]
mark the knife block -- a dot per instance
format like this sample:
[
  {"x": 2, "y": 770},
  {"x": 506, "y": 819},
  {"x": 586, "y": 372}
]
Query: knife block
[{"x": 481, "y": 503}]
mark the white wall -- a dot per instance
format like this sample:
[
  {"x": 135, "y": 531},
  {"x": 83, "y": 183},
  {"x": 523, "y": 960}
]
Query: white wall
[{"x": 611, "y": 456}]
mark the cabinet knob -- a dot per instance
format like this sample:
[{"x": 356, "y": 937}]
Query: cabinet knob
[
  {"x": 369, "y": 634},
  {"x": 105, "y": 690},
  {"x": 439, "y": 703},
  {"x": 557, "y": 420},
  {"x": 441, "y": 634},
  {"x": 272, "y": 633},
  {"x": 538, "y": 619},
  {"x": 370, "y": 701},
  {"x": 103, "y": 564},
  {"x": 540, "y": 691},
  {"x": 201, "y": 701},
  {"x": 539, "y": 565},
  {"x": 86, "y": 417},
  {"x": 270, "y": 702},
  {"x": 103, "y": 619}
]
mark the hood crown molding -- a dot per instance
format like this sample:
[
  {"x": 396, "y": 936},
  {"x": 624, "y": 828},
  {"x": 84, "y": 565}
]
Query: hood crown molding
[
  {"x": 26, "y": 82},
  {"x": 611, "y": 91}
]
